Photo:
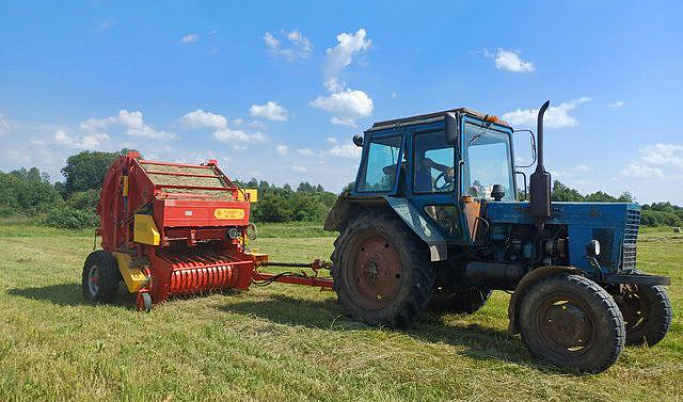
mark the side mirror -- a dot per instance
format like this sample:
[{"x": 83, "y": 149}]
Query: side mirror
[
  {"x": 452, "y": 128},
  {"x": 532, "y": 140},
  {"x": 358, "y": 140}
]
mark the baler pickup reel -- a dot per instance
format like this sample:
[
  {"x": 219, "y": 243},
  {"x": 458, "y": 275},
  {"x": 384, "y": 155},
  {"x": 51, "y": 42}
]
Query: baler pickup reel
[{"x": 175, "y": 229}]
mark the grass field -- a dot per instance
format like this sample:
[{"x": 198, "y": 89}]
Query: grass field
[{"x": 283, "y": 343}]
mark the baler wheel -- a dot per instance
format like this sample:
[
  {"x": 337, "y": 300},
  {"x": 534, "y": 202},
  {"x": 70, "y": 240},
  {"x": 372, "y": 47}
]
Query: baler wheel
[
  {"x": 144, "y": 302},
  {"x": 573, "y": 323},
  {"x": 647, "y": 313},
  {"x": 100, "y": 279},
  {"x": 382, "y": 271}
]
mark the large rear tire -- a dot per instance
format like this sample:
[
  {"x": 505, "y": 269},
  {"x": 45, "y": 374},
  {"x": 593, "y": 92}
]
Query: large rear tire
[
  {"x": 647, "y": 313},
  {"x": 100, "y": 279},
  {"x": 382, "y": 271},
  {"x": 573, "y": 323}
]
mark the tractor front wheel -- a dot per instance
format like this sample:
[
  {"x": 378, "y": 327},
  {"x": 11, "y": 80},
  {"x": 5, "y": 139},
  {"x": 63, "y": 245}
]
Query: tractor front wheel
[
  {"x": 382, "y": 271},
  {"x": 647, "y": 313},
  {"x": 100, "y": 279},
  {"x": 573, "y": 323}
]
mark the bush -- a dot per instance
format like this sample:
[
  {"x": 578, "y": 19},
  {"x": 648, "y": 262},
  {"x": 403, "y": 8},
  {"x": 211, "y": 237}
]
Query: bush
[
  {"x": 68, "y": 217},
  {"x": 84, "y": 200}
]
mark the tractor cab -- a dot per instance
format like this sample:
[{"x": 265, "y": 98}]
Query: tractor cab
[{"x": 439, "y": 162}]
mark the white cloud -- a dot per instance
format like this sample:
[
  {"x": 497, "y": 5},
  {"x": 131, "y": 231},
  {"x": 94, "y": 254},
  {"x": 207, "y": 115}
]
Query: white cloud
[
  {"x": 202, "y": 119},
  {"x": 346, "y": 105},
  {"x": 653, "y": 160},
  {"x": 4, "y": 125},
  {"x": 282, "y": 150},
  {"x": 341, "y": 56},
  {"x": 306, "y": 152},
  {"x": 639, "y": 170},
  {"x": 669, "y": 155},
  {"x": 91, "y": 141},
  {"x": 257, "y": 124},
  {"x": 299, "y": 46},
  {"x": 104, "y": 26},
  {"x": 299, "y": 168},
  {"x": 616, "y": 104},
  {"x": 271, "y": 111},
  {"x": 582, "y": 168},
  {"x": 555, "y": 117},
  {"x": 132, "y": 121},
  {"x": 238, "y": 121},
  {"x": 346, "y": 151},
  {"x": 231, "y": 136},
  {"x": 332, "y": 140},
  {"x": 510, "y": 60},
  {"x": 189, "y": 38}
]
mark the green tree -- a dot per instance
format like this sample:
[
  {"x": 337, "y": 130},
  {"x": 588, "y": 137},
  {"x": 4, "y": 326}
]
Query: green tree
[{"x": 86, "y": 170}]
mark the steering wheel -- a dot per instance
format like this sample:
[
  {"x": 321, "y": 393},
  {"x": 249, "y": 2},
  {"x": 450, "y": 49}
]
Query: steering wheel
[{"x": 447, "y": 182}]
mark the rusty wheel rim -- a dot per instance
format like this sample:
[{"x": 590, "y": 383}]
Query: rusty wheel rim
[
  {"x": 566, "y": 325},
  {"x": 634, "y": 308},
  {"x": 374, "y": 275}
]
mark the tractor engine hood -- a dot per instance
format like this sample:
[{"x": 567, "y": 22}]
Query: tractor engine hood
[{"x": 614, "y": 225}]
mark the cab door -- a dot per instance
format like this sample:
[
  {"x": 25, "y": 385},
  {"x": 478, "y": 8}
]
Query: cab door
[{"x": 433, "y": 179}]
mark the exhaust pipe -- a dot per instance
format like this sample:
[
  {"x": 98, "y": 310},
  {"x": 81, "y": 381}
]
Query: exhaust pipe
[{"x": 539, "y": 205}]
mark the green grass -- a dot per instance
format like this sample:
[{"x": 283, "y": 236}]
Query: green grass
[{"x": 283, "y": 342}]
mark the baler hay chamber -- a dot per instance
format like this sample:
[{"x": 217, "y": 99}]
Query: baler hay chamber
[{"x": 169, "y": 229}]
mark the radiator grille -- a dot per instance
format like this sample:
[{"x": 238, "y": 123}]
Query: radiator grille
[{"x": 628, "y": 254}]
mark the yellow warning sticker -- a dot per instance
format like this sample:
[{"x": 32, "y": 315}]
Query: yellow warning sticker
[{"x": 228, "y": 213}]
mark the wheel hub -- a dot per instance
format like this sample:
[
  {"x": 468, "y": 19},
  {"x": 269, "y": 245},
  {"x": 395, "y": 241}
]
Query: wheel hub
[
  {"x": 376, "y": 272},
  {"x": 566, "y": 326},
  {"x": 93, "y": 280}
]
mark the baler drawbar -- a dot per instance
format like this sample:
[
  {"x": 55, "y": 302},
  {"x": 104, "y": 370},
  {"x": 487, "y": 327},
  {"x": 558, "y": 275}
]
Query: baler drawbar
[{"x": 175, "y": 229}]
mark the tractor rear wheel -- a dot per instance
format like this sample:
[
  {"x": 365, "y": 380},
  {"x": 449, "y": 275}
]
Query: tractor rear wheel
[
  {"x": 647, "y": 313},
  {"x": 382, "y": 271},
  {"x": 572, "y": 322},
  {"x": 461, "y": 301},
  {"x": 100, "y": 279}
]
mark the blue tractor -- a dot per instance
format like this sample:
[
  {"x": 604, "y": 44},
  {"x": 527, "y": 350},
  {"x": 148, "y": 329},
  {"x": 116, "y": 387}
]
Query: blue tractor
[{"x": 434, "y": 220}]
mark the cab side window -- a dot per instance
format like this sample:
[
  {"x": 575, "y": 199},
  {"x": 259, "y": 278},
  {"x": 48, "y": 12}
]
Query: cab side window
[{"x": 433, "y": 163}]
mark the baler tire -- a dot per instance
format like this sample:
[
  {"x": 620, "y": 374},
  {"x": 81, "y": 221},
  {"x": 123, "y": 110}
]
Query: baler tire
[
  {"x": 657, "y": 316},
  {"x": 415, "y": 273},
  {"x": 108, "y": 277},
  {"x": 466, "y": 301},
  {"x": 573, "y": 323}
]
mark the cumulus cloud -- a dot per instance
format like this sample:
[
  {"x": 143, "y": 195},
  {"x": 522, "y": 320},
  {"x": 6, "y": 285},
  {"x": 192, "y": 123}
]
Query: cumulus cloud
[
  {"x": 282, "y": 150},
  {"x": 656, "y": 161},
  {"x": 92, "y": 141},
  {"x": 510, "y": 60},
  {"x": 4, "y": 125},
  {"x": 306, "y": 152},
  {"x": 189, "y": 38},
  {"x": 555, "y": 117},
  {"x": 341, "y": 56},
  {"x": 346, "y": 151},
  {"x": 270, "y": 111},
  {"x": 202, "y": 119},
  {"x": 297, "y": 46},
  {"x": 229, "y": 136},
  {"x": 132, "y": 121},
  {"x": 616, "y": 104},
  {"x": 346, "y": 106},
  {"x": 299, "y": 168}
]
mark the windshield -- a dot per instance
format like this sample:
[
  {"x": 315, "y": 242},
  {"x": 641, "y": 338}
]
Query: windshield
[
  {"x": 486, "y": 153},
  {"x": 380, "y": 167}
]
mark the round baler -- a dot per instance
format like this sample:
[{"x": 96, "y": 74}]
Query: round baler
[{"x": 170, "y": 229}]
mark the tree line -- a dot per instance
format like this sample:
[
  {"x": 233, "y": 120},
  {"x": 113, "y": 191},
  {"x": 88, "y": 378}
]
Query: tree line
[{"x": 70, "y": 203}]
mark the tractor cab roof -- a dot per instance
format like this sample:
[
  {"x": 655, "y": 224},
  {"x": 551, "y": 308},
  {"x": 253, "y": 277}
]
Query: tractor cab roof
[{"x": 432, "y": 117}]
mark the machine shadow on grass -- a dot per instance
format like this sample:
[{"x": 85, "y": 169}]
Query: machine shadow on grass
[
  {"x": 483, "y": 343},
  {"x": 69, "y": 294}
]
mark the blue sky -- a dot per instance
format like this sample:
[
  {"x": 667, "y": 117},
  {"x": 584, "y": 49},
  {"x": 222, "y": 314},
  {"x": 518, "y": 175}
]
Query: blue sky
[{"x": 276, "y": 90}]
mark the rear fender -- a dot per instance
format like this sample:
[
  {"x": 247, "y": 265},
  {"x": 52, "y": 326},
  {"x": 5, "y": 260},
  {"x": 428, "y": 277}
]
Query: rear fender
[
  {"x": 347, "y": 206},
  {"x": 525, "y": 284}
]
